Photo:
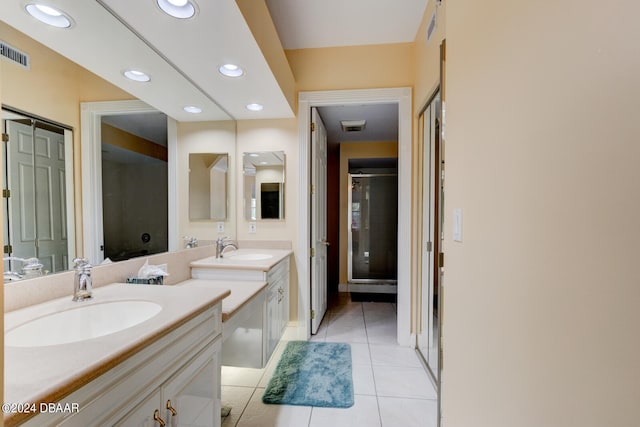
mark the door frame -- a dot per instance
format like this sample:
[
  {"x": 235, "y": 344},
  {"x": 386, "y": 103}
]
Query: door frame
[
  {"x": 91, "y": 114},
  {"x": 401, "y": 96}
]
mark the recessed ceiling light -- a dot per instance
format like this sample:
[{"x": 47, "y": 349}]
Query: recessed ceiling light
[
  {"x": 49, "y": 15},
  {"x": 181, "y": 9},
  {"x": 231, "y": 70},
  {"x": 255, "y": 107},
  {"x": 192, "y": 109},
  {"x": 137, "y": 76},
  {"x": 254, "y": 155}
]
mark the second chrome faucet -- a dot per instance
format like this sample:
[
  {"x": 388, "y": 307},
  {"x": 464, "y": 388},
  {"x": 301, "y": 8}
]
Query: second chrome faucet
[{"x": 223, "y": 243}]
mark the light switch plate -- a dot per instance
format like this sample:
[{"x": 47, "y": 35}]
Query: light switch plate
[
  {"x": 252, "y": 227},
  {"x": 220, "y": 227}
]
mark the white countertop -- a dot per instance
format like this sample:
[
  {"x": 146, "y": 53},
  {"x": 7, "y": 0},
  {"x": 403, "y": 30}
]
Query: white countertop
[
  {"x": 46, "y": 374},
  {"x": 227, "y": 261},
  {"x": 241, "y": 292}
]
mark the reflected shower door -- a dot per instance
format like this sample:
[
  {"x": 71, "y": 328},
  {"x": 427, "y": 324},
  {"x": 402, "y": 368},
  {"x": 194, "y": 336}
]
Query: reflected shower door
[{"x": 373, "y": 228}]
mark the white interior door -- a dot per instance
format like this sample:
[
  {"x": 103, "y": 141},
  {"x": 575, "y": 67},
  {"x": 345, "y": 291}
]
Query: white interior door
[
  {"x": 21, "y": 183},
  {"x": 318, "y": 221},
  {"x": 37, "y": 206}
]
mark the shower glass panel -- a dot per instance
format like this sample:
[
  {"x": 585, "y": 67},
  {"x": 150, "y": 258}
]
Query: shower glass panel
[{"x": 373, "y": 228}]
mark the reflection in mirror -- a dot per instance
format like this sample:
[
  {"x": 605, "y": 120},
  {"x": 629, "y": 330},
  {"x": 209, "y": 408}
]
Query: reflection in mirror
[
  {"x": 37, "y": 165},
  {"x": 134, "y": 184},
  {"x": 208, "y": 184},
  {"x": 263, "y": 185}
]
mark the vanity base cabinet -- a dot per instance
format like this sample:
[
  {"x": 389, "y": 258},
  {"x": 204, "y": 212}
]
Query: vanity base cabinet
[{"x": 178, "y": 372}]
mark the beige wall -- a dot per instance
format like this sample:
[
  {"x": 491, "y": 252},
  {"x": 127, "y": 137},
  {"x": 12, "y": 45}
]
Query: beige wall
[
  {"x": 273, "y": 135},
  {"x": 427, "y": 69},
  {"x": 353, "y": 67},
  {"x": 53, "y": 88},
  {"x": 541, "y": 299},
  {"x": 355, "y": 150}
]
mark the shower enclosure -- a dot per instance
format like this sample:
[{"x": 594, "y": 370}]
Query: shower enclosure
[{"x": 373, "y": 232}]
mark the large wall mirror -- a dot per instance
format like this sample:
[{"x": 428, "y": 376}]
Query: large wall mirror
[
  {"x": 208, "y": 186},
  {"x": 263, "y": 190}
]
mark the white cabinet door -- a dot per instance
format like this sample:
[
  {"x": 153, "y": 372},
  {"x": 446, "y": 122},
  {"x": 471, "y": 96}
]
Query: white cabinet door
[
  {"x": 143, "y": 414},
  {"x": 272, "y": 329},
  {"x": 191, "y": 398}
]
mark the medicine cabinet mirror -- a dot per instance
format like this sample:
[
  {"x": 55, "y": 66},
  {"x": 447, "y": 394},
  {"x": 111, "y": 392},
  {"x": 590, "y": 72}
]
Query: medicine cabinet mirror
[
  {"x": 208, "y": 186},
  {"x": 263, "y": 185}
]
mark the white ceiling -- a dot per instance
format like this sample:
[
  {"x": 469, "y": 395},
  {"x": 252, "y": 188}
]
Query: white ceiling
[
  {"x": 312, "y": 23},
  {"x": 381, "y": 125},
  {"x": 183, "y": 56}
]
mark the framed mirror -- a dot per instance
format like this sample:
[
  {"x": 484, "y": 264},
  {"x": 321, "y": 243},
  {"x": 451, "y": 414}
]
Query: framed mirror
[
  {"x": 263, "y": 189},
  {"x": 208, "y": 186}
]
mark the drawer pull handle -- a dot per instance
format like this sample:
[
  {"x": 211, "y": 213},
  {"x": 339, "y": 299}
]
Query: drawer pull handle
[
  {"x": 171, "y": 408},
  {"x": 156, "y": 418}
]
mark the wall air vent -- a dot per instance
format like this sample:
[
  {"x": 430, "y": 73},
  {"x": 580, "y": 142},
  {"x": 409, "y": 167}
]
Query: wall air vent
[
  {"x": 14, "y": 55},
  {"x": 353, "y": 125}
]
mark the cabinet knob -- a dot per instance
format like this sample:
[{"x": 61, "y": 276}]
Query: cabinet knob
[
  {"x": 171, "y": 408},
  {"x": 156, "y": 418}
]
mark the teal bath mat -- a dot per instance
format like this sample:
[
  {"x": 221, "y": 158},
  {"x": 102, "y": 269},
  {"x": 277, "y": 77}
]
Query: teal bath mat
[{"x": 312, "y": 374}]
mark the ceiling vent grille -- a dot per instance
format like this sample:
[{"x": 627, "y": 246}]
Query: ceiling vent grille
[
  {"x": 14, "y": 55},
  {"x": 353, "y": 125}
]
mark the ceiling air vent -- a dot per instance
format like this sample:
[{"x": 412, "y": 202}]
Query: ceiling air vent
[
  {"x": 14, "y": 55},
  {"x": 353, "y": 125}
]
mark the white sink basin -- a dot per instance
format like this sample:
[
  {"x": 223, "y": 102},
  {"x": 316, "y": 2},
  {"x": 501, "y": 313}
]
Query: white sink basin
[
  {"x": 81, "y": 323},
  {"x": 248, "y": 257}
]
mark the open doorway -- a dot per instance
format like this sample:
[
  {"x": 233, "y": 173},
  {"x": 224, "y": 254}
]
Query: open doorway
[{"x": 398, "y": 100}]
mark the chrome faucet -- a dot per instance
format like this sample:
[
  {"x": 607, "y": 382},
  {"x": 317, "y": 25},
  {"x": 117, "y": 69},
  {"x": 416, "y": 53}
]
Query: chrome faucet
[
  {"x": 82, "y": 280},
  {"x": 190, "y": 242},
  {"x": 222, "y": 244}
]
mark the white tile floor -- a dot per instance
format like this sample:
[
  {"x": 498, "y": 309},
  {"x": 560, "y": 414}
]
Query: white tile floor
[{"x": 390, "y": 385}]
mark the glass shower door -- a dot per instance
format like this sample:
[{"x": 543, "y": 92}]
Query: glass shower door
[{"x": 373, "y": 228}]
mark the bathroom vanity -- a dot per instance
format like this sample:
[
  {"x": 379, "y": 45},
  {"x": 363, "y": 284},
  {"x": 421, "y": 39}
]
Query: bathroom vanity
[
  {"x": 165, "y": 367},
  {"x": 256, "y": 314}
]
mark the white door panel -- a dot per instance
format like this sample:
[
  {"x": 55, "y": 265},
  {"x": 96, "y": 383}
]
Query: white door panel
[{"x": 319, "y": 221}]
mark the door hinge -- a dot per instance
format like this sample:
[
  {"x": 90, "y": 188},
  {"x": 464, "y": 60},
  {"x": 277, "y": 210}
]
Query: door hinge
[
  {"x": 313, "y": 314},
  {"x": 313, "y": 189},
  {"x": 313, "y": 127},
  {"x": 6, "y": 193},
  {"x": 429, "y": 246},
  {"x": 5, "y": 137},
  {"x": 313, "y": 252},
  {"x": 8, "y": 249},
  {"x": 441, "y": 259}
]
